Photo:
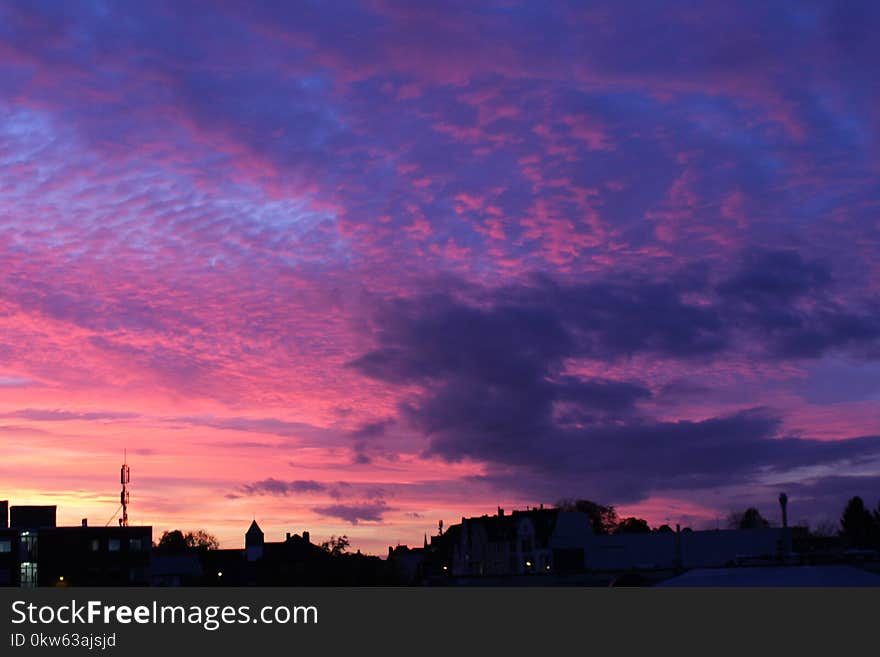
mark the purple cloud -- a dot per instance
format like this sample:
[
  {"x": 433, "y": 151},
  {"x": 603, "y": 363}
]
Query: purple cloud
[{"x": 354, "y": 513}]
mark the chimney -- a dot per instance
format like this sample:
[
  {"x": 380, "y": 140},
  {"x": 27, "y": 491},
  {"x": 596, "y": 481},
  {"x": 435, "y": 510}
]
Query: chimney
[
  {"x": 85, "y": 522},
  {"x": 288, "y": 536},
  {"x": 500, "y": 512},
  {"x": 306, "y": 537}
]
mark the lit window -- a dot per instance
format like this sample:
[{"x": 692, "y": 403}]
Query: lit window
[
  {"x": 134, "y": 544},
  {"x": 95, "y": 545},
  {"x": 113, "y": 545},
  {"x": 28, "y": 574},
  {"x": 5, "y": 547},
  {"x": 29, "y": 546}
]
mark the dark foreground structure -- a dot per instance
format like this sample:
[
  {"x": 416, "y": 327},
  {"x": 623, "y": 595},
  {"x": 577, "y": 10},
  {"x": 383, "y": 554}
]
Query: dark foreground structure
[
  {"x": 535, "y": 547},
  {"x": 34, "y": 551},
  {"x": 295, "y": 561}
]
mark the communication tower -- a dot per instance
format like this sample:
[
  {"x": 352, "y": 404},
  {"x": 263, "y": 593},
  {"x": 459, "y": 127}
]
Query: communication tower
[{"x": 124, "y": 479}]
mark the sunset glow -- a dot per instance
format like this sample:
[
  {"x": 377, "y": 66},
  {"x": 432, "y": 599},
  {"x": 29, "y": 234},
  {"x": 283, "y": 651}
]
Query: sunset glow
[{"x": 358, "y": 269}]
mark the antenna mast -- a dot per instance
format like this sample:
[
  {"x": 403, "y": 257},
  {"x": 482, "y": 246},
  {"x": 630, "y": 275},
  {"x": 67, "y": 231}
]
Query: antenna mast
[{"x": 124, "y": 479}]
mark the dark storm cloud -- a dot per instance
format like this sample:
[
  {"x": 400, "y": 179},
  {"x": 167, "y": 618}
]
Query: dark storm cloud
[
  {"x": 495, "y": 387},
  {"x": 828, "y": 330},
  {"x": 778, "y": 301},
  {"x": 436, "y": 336},
  {"x": 628, "y": 461},
  {"x": 775, "y": 277},
  {"x": 628, "y": 315},
  {"x": 786, "y": 302}
]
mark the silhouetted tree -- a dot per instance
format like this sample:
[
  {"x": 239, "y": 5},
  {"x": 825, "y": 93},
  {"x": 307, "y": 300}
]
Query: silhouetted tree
[
  {"x": 337, "y": 545},
  {"x": 176, "y": 541},
  {"x": 632, "y": 526},
  {"x": 602, "y": 518},
  {"x": 664, "y": 529},
  {"x": 751, "y": 518},
  {"x": 857, "y": 524},
  {"x": 201, "y": 540},
  {"x": 172, "y": 541}
]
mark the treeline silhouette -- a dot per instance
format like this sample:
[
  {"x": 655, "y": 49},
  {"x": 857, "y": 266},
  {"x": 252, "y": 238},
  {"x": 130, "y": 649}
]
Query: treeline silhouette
[{"x": 859, "y": 527}]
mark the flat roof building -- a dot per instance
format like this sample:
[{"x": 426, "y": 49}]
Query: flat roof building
[{"x": 36, "y": 552}]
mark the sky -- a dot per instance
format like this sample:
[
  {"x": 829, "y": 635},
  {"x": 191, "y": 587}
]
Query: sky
[{"x": 357, "y": 267}]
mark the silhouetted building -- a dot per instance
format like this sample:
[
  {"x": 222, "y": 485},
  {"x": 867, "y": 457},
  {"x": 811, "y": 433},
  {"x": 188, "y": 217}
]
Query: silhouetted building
[
  {"x": 295, "y": 561},
  {"x": 561, "y": 544},
  {"x": 523, "y": 542},
  {"x": 407, "y": 565},
  {"x": 253, "y": 542},
  {"x": 260, "y": 563},
  {"x": 32, "y": 517},
  {"x": 35, "y": 552}
]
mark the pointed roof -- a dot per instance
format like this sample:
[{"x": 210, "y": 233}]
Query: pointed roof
[{"x": 254, "y": 529}]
